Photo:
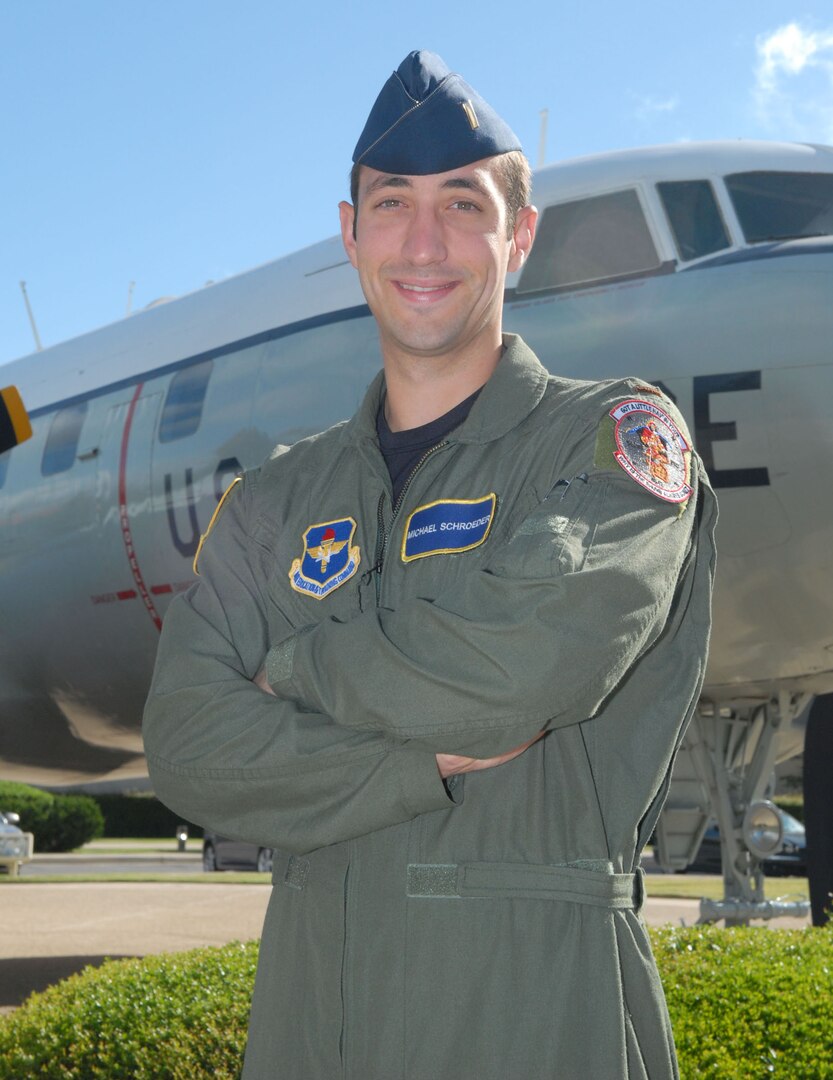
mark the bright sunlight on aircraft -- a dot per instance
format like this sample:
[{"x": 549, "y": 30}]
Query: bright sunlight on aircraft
[{"x": 705, "y": 268}]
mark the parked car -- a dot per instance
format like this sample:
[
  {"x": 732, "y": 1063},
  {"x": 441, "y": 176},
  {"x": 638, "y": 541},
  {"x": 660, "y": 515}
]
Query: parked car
[
  {"x": 791, "y": 860},
  {"x": 15, "y": 845},
  {"x": 220, "y": 853}
]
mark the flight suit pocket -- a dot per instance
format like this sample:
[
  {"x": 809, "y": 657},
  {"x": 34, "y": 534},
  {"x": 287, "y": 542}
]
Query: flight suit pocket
[{"x": 555, "y": 535}]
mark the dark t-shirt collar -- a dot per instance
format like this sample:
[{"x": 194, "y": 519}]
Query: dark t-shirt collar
[{"x": 403, "y": 449}]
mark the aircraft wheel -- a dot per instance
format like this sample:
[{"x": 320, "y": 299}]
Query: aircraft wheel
[
  {"x": 209, "y": 858},
  {"x": 264, "y": 860}
]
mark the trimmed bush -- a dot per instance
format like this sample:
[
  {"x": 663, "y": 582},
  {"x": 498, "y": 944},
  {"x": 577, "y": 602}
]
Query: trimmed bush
[
  {"x": 139, "y": 815},
  {"x": 793, "y": 804},
  {"x": 33, "y": 805},
  {"x": 123, "y": 815},
  {"x": 75, "y": 820},
  {"x": 749, "y": 1002},
  {"x": 179, "y": 1016},
  {"x": 59, "y": 822},
  {"x": 745, "y": 1004}
]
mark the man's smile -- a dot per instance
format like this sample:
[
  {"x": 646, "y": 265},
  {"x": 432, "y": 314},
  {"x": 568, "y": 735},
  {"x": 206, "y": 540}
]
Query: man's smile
[{"x": 422, "y": 293}]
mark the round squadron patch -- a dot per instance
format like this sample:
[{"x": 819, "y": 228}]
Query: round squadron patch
[{"x": 652, "y": 449}]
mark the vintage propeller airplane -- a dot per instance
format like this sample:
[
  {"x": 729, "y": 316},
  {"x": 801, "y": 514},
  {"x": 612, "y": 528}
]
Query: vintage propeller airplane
[{"x": 706, "y": 268}]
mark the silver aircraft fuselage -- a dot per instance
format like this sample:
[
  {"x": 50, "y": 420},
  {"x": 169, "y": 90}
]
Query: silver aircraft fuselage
[{"x": 649, "y": 263}]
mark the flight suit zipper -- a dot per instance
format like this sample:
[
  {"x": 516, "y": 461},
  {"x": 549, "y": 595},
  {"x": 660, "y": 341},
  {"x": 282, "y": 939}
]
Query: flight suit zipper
[{"x": 383, "y": 534}]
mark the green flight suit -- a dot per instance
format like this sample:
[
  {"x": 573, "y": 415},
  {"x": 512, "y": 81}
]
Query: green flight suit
[{"x": 487, "y": 929}]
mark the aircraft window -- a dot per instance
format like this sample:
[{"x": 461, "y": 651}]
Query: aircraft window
[
  {"x": 62, "y": 440},
  {"x": 694, "y": 217},
  {"x": 4, "y": 466},
  {"x": 782, "y": 205},
  {"x": 182, "y": 412},
  {"x": 589, "y": 240}
]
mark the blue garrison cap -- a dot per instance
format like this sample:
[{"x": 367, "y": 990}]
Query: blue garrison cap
[{"x": 428, "y": 120}]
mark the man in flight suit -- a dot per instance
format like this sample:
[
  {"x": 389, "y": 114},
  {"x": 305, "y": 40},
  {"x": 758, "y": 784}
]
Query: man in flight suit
[{"x": 441, "y": 656}]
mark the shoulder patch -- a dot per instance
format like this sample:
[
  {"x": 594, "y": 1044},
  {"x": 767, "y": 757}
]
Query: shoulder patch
[
  {"x": 645, "y": 441},
  {"x": 213, "y": 521}
]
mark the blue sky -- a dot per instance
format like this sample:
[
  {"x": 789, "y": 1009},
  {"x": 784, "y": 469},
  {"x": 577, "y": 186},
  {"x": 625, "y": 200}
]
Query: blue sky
[{"x": 174, "y": 142}]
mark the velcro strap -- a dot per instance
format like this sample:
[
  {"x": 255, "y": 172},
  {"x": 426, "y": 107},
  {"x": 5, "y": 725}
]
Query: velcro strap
[{"x": 569, "y": 883}]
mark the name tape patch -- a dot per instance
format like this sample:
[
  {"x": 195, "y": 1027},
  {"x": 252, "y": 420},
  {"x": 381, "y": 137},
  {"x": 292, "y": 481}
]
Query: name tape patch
[
  {"x": 447, "y": 526},
  {"x": 652, "y": 449},
  {"x": 328, "y": 559}
]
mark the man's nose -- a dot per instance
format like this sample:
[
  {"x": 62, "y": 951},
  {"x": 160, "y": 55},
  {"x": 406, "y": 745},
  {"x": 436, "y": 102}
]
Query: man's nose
[{"x": 424, "y": 242}]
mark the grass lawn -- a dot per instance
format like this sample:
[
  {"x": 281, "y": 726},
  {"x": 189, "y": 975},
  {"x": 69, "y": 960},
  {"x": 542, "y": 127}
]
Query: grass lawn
[
  {"x": 693, "y": 886},
  {"x": 226, "y": 877},
  {"x": 132, "y": 846}
]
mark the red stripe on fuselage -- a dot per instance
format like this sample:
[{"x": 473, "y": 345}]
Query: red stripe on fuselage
[{"x": 124, "y": 517}]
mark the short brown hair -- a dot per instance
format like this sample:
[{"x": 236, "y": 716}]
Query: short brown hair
[{"x": 514, "y": 176}]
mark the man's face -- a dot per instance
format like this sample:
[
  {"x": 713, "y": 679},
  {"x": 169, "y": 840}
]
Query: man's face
[{"x": 432, "y": 254}]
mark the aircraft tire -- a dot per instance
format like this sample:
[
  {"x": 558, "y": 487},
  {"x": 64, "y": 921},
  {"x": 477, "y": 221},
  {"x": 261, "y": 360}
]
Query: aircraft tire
[{"x": 209, "y": 858}]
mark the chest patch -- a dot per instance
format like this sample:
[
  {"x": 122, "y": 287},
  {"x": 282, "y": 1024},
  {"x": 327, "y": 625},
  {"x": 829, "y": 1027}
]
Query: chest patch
[
  {"x": 447, "y": 526},
  {"x": 328, "y": 559},
  {"x": 652, "y": 449}
]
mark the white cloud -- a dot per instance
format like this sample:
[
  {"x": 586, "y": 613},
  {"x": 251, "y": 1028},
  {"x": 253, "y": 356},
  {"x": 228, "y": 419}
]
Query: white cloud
[
  {"x": 647, "y": 107},
  {"x": 794, "y": 82}
]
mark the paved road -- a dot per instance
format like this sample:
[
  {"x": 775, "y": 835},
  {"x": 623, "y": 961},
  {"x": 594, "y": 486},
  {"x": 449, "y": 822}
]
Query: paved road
[{"x": 51, "y": 931}]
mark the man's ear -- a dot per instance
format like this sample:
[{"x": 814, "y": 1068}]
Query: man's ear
[
  {"x": 347, "y": 214},
  {"x": 523, "y": 236}
]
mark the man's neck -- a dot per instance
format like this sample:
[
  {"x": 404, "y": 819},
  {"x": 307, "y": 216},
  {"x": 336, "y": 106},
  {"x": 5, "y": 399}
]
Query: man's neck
[{"x": 423, "y": 390}]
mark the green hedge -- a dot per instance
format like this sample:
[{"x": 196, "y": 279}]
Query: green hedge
[
  {"x": 749, "y": 1002},
  {"x": 179, "y": 1016},
  {"x": 745, "y": 1003},
  {"x": 139, "y": 815},
  {"x": 75, "y": 820},
  {"x": 793, "y": 804},
  {"x": 33, "y": 805},
  {"x": 53, "y": 819},
  {"x": 59, "y": 822}
]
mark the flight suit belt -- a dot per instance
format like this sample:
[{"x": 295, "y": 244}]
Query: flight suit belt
[{"x": 569, "y": 883}]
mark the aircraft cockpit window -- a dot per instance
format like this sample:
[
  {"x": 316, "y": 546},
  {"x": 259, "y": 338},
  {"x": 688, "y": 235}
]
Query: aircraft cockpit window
[
  {"x": 587, "y": 241},
  {"x": 782, "y": 205},
  {"x": 694, "y": 217},
  {"x": 182, "y": 411},
  {"x": 62, "y": 440}
]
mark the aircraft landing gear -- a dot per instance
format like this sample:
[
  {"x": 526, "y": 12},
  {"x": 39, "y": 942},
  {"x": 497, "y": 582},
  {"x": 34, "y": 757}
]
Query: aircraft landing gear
[{"x": 724, "y": 768}]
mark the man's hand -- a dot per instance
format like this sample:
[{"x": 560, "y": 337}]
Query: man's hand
[
  {"x": 261, "y": 681},
  {"x": 452, "y": 764}
]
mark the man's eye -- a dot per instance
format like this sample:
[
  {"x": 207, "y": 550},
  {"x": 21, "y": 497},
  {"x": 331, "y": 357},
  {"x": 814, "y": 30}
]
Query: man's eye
[
  {"x": 386, "y": 203},
  {"x": 464, "y": 204}
]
